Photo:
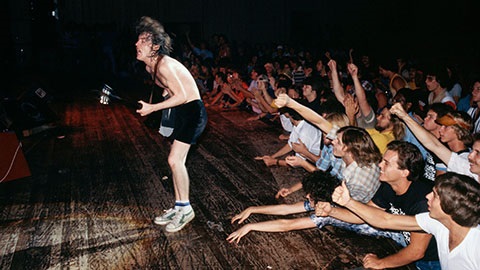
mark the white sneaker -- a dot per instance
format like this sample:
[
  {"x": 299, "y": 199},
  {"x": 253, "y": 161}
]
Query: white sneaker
[
  {"x": 167, "y": 217},
  {"x": 181, "y": 219}
]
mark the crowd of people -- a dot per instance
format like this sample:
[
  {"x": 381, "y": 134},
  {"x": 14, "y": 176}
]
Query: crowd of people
[
  {"x": 393, "y": 133},
  {"x": 379, "y": 138}
]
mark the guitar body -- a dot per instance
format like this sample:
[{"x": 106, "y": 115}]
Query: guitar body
[{"x": 164, "y": 120}]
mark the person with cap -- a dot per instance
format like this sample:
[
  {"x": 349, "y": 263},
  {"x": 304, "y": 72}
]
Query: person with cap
[{"x": 456, "y": 163}]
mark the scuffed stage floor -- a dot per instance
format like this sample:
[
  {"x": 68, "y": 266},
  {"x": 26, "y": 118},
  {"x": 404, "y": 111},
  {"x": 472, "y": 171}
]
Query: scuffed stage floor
[{"x": 90, "y": 201}]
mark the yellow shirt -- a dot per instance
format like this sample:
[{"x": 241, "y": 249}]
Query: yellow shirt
[{"x": 381, "y": 139}]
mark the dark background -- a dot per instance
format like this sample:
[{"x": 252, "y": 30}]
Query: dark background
[{"x": 34, "y": 41}]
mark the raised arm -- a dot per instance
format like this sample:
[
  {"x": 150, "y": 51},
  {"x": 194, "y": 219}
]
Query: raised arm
[
  {"x": 279, "y": 225},
  {"x": 336, "y": 85},
  {"x": 365, "y": 107},
  {"x": 424, "y": 136},
  {"x": 280, "y": 209},
  {"x": 372, "y": 215},
  {"x": 283, "y": 100}
]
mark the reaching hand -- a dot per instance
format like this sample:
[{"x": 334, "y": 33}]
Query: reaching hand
[
  {"x": 323, "y": 209},
  {"x": 398, "y": 110},
  {"x": 353, "y": 70},
  {"x": 341, "y": 195},
  {"x": 283, "y": 192},
  {"x": 238, "y": 234},
  {"x": 371, "y": 261},
  {"x": 242, "y": 216},
  {"x": 351, "y": 106},
  {"x": 282, "y": 100},
  {"x": 332, "y": 65},
  {"x": 294, "y": 161}
]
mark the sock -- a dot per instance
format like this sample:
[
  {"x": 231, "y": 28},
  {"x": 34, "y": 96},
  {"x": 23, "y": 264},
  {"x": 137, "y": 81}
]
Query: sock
[{"x": 182, "y": 205}]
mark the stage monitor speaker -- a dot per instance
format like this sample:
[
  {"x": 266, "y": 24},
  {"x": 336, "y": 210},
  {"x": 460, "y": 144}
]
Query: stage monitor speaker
[{"x": 12, "y": 161}]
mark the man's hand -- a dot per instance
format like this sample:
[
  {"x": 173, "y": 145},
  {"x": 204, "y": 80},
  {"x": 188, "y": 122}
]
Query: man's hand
[
  {"x": 283, "y": 192},
  {"x": 341, "y": 195},
  {"x": 242, "y": 216},
  {"x": 398, "y": 110},
  {"x": 146, "y": 109},
  {"x": 294, "y": 161},
  {"x": 323, "y": 209},
  {"x": 282, "y": 100},
  {"x": 351, "y": 106},
  {"x": 332, "y": 65},
  {"x": 371, "y": 261},
  {"x": 238, "y": 234},
  {"x": 353, "y": 70},
  {"x": 299, "y": 147}
]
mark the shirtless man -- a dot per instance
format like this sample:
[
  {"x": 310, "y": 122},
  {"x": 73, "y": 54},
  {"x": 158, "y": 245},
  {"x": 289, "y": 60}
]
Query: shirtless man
[{"x": 153, "y": 48}]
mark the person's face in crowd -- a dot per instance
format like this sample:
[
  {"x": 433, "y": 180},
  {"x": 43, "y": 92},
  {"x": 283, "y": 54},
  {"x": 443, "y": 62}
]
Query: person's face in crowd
[
  {"x": 253, "y": 75},
  {"x": 389, "y": 171},
  {"x": 383, "y": 72},
  {"x": 145, "y": 47},
  {"x": 474, "y": 158},
  {"x": 365, "y": 60},
  {"x": 429, "y": 121},
  {"x": 476, "y": 92},
  {"x": 434, "y": 207},
  {"x": 292, "y": 93},
  {"x": 319, "y": 65},
  {"x": 307, "y": 90},
  {"x": 339, "y": 149},
  {"x": 447, "y": 134},
  {"x": 269, "y": 67},
  {"x": 431, "y": 82},
  {"x": 312, "y": 203},
  {"x": 230, "y": 78},
  {"x": 383, "y": 120}
]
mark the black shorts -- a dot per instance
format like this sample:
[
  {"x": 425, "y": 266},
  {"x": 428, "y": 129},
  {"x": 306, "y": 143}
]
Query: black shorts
[{"x": 190, "y": 121}]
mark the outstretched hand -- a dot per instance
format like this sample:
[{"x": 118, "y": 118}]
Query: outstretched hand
[
  {"x": 323, "y": 209},
  {"x": 398, "y": 110},
  {"x": 371, "y": 261},
  {"x": 238, "y": 234},
  {"x": 241, "y": 217},
  {"x": 341, "y": 195},
  {"x": 283, "y": 192},
  {"x": 282, "y": 101}
]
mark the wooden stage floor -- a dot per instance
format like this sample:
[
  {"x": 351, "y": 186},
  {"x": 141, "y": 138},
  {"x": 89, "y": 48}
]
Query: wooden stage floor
[{"x": 90, "y": 201}]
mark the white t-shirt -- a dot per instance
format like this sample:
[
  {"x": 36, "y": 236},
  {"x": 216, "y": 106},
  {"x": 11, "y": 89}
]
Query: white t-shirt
[
  {"x": 286, "y": 123},
  {"x": 466, "y": 256},
  {"x": 461, "y": 165},
  {"x": 310, "y": 136}
]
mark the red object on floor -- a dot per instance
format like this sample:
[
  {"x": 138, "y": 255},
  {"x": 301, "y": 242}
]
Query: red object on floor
[{"x": 12, "y": 161}]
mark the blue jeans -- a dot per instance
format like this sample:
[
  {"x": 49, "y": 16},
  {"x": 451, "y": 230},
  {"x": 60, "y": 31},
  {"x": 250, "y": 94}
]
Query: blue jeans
[
  {"x": 363, "y": 229},
  {"x": 428, "y": 265}
]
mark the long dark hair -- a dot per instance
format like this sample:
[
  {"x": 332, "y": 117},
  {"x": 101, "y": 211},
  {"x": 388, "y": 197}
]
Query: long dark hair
[{"x": 157, "y": 33}]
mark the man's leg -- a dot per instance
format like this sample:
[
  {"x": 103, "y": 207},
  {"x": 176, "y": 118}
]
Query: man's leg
[
  {"x": 181, "y": 183},
  {"x": 176, "y": 161}
]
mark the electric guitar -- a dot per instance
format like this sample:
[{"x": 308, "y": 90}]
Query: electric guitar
[
  {"x": 168, "y": 115},
  {"x": 107, "y": 95}
]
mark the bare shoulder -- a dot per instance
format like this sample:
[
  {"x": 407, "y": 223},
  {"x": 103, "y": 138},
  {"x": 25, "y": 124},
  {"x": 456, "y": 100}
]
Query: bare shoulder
[{"x": 168, "y": 62}]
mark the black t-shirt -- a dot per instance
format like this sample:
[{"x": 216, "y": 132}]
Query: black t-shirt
[{"x": 410, "y": 203}]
